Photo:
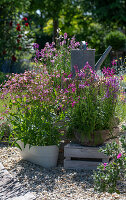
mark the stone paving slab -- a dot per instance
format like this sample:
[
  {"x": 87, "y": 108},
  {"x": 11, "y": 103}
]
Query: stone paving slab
[{"x": 11, "y": 189}]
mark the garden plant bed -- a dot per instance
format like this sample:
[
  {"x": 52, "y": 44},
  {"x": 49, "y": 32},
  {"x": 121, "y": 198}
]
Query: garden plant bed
[{"x": 37, "y": 103}]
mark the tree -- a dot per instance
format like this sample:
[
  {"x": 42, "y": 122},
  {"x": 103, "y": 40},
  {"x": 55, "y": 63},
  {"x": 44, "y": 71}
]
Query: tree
[
  {"x": 12, "y": 29},
  {"x": 49, "y": 9},
  {"x": 109, "y": 12}
]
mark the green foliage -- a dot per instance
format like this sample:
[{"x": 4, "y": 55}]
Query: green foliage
[
  {"x": 121, "y": 108},
  {"x": 5, "y": 131},
  {"x": 50, "y": 10},
  {"x": 124, "y": 127},
  {"x": 83, "y": 115},
  {"x": 116, "y": 39},
  {"x": 108, "y": 174},
  {"x": 34, "y": 125},
  {"x": 95, "y": 34},
  {"x": 32, "y": 112},
  {"x": 107, "y": 12},
  {"x": 21, "y": 5},
  {"x": 2, "y": 77}
]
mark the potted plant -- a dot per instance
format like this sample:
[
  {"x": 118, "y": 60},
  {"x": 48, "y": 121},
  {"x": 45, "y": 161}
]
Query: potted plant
[
  {"x": 33, "y": 116},
  {"x": 91, "y": 106}
]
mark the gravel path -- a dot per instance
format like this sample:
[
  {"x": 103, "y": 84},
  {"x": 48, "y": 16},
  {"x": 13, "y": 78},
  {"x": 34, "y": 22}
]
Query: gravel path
[{"x": 46, "y": 184}]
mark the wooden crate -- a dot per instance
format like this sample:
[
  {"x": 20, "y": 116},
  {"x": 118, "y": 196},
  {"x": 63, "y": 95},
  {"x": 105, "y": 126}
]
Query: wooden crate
[{"x": 81, "y": 157}]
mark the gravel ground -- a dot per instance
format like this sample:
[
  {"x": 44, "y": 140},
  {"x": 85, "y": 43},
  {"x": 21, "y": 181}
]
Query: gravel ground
[{"x": 48, "y": 184}]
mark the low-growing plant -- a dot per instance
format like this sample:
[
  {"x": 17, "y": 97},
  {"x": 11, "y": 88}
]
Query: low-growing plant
[{"x": 108, "y": 175}]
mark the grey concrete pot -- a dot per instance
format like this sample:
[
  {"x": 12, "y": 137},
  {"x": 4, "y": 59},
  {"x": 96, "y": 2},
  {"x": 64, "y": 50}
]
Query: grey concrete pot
[{"x": 45, "y": 156}]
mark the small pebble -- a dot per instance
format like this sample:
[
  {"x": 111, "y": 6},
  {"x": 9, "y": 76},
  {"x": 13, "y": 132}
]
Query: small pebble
[{"x": 57, "y": 183}]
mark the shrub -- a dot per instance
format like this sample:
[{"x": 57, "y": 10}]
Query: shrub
[{"x": 116, "y": 39}]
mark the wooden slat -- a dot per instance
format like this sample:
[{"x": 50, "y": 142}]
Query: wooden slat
[
  {"x": 75, "y": 164},
  {"x": 79, "y": 154},
  {"x": 83, "y": 152}
]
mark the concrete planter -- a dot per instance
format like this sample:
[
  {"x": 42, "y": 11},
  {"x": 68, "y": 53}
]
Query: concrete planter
[{"x": 45, "y": 156}]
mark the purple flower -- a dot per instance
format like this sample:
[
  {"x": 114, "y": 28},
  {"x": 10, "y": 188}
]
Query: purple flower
[
  {"x": 108, "y": 72},
  {"x": 73, "y": 103},
  {"x": 70, "y": 76},
  {"x": 35, "y": 46},
  {"x": 65, "y": 36},
  {"x": 105, "y": 164},
  {"x": 81, "y": 85},
  {"x": 119, "y": 155},
  {"x": 113, "y": 62}
]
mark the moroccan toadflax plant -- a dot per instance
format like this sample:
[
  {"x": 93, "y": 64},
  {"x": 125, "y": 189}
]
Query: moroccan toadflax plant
[
  {"x": 91, "y": 100},
  {"x": 33, "y": 106}
]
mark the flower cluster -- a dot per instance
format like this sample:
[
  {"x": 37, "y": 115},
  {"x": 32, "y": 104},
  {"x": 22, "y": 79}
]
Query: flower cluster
[
  {"x": 108, "y": 72},
  {"x": 56, "y": 58},
  {"x": 88, "y": 100},
  {"x": 17, "y": 38},
  {"x": 18, "y": 27}
]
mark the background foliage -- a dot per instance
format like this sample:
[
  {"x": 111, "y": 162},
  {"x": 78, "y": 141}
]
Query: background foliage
[{"x": 90, "y": 20}]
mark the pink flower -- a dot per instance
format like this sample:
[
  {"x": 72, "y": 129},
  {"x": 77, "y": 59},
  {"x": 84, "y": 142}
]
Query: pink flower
[
  {"x": 113, "y": 62},
  {"x": 70, "y": 76},
  {"x": 52, "y": 61},
  {"x": 73, "y": 89},
  {"x": 76, "y": 68},
  {"x": 73, "y": 103},
  {"x": 119, "y": 155},
  {"x": 105, "y": 164}
]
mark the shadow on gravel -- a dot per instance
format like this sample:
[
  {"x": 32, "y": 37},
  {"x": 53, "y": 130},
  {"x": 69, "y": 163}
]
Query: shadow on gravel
[{"x": 40, "y": 179}]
